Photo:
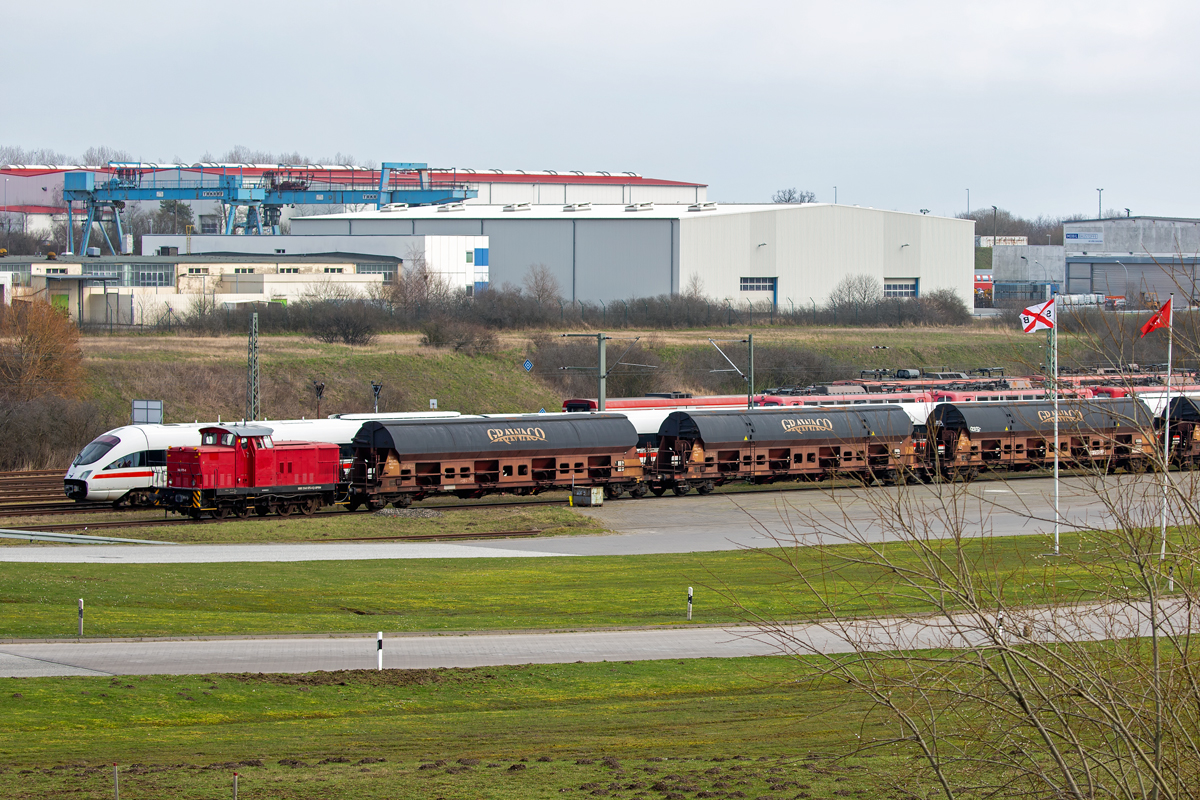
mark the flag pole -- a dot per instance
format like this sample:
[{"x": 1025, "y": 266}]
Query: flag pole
[
  {"x": 1162, "y": 550},
  {"x": 1054, "y": 330}
]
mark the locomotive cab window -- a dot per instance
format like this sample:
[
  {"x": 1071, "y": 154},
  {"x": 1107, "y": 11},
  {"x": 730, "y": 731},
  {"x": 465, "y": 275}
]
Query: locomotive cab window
[{"x": 97, "y": 449}]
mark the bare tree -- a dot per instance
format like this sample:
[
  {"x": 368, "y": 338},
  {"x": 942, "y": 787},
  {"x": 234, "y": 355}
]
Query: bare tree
[
  {"x": 39, "y": 353},
  {"x": 793, "y": 196},
  {"x": 695, "y": 287},
  {"x": 856, "y": 291},
  {"x": 991, "y": 676},
  {"x": 541, "y": 284}
]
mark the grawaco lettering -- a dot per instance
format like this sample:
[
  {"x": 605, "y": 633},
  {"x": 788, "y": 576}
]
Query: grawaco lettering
[
  {"x": 510, "y": 435},
  {"x": 810, "y": 425}
]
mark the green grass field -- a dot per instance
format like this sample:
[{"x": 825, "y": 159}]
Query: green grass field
[
  {"x": 335, "y": 525},
  {"x": 731, "y": 728},
  {"x": 130, "y": 600}
]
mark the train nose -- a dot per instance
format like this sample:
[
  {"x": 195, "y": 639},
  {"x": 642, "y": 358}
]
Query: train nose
[{"x": 76, "y": 490}]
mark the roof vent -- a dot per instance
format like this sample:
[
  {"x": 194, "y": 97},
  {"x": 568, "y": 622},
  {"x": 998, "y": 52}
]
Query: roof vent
[
  {"x": 577, "y": 207},
  {"x": 640, "y": 207},
  {"x": 390, "y": 207},
  {"x": 703, "y": 207},
  {"x": 452, "y": 207},
  {"x": 517, "y": 207}
]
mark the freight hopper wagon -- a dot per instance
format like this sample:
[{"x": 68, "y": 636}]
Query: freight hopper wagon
[
  {"x": 968, "y": 438},
  {"x": 238, "y": 469},
  {"x": 704, "y": 449},
  {"x": 399, "y": 462},
  {"x": 1185, "y": 432}
]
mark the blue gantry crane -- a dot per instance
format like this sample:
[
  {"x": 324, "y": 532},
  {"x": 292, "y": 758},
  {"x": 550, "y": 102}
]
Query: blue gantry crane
[{"x": 262, "y": 191}]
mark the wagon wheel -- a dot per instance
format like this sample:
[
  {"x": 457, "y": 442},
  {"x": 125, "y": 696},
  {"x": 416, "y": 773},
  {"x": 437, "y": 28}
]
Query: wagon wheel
[
  {"x": 262, "y": 509},
  {"x": 353, "y": 504},
  {"x": 658, "y": 490},
  {"x": 374, "y": 504},
  {"x": 638, "y": 492},
  {"x": 222, "y": 512},
  {"x": 705, "y": 488},
  {"x": 403, "y": 501},
  {"x": 680, "y": 489},
  {"x": 242, "y": 511},
  {"x": 612, "y": 491},
  {"x": 285, "y": 509},
  {"x": 308, "y": 507}
]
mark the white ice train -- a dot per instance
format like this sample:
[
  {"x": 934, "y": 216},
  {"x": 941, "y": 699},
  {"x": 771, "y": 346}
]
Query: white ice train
[{"x": 124, "y": 465}]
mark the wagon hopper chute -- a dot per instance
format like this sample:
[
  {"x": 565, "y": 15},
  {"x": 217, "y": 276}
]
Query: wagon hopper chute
[
  {"x": 703, "y": 449},
  {"x": 399, "y": 462},
  {"x": 966, "y": 438}
]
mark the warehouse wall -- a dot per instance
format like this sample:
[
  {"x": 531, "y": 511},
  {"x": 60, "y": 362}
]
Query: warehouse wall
[{"x": 810, "y": 248}]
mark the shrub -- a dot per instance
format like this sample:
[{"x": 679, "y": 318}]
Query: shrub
[{"x": 465, "y": 337}]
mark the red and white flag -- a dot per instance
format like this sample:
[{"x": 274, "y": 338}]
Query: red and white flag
[
  {"x": 1161, "y": 319},
  {"x": 1038, "y": 318}
]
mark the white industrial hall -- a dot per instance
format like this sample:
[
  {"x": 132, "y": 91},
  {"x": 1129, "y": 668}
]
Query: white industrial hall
[{"x": 787, "y": 254}]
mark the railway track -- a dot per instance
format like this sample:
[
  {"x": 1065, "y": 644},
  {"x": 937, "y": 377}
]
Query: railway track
[
  {"x": 51, "y": 509},
  {"x": 43, "y": 486}
]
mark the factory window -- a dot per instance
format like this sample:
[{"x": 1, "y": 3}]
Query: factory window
[
  {"x": 388, "y": 271},
  {"x": 210, "y": 223},
  {"x": 156, "y": 276},
  {"x": 197, "y": 270},
  {"x": 289, "y": 270},
  {"x": 470, "y": 256},
  {"x": 758, "y": 284},
  {"x": 334, "y": 270},
  {"x": 900, "y": 287},
  {"x": 243, "y": 270},
  {"x": 56, "y": 270}
]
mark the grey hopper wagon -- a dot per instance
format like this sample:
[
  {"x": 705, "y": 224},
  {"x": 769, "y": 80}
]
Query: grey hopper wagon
[
  {"x": 967, "y": 438},
  {"x": 707, "y": 448},
  {"x": 399, "y": 462}
]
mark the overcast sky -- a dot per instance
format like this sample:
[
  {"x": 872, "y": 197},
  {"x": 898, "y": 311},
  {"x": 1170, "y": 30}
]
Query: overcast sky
[{"x": 1031, "y": 106}]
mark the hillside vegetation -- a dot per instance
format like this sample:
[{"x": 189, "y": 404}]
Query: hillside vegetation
[{"x": 203, "y": 377}]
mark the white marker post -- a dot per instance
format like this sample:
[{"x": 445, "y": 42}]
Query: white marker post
[
  {"x": 379, "y": 649},
  {"x": 81, "y": 616},
  {"x": 689, "y": 604},
  {"x": 116, "y": 784},
  {"x": 235, "y": 786}
]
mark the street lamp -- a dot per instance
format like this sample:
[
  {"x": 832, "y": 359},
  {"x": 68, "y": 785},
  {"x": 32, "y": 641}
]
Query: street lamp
[
  {"x": 7, "y": 224},
  {"x": 995, "y": 230},
  {"x": 835, "y": 195},
  {"x": 1100, "y": 204}
]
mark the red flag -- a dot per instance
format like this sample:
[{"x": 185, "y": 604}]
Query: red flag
[{"x": 1161, "y": 319}]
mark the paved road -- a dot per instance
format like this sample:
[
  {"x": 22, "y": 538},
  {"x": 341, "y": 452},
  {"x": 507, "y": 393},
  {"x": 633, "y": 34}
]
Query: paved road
[
  {"x": 308, "y": 654},
  {"x": 671, "y": 525}
]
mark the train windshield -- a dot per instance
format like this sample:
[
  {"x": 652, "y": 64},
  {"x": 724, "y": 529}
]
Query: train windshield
[{"x": 96, "y": 450}]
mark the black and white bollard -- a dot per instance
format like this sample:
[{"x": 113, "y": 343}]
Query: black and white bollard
[
  {"x": 1171, "y": 578},
  {"x": 379, "y": 649},
  {"x": 81, "y": 616},
  {"x": 689, "y": 604}
]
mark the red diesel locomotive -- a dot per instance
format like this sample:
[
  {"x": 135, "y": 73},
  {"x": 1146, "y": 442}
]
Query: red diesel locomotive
[{"x": 238, "y": 469}]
